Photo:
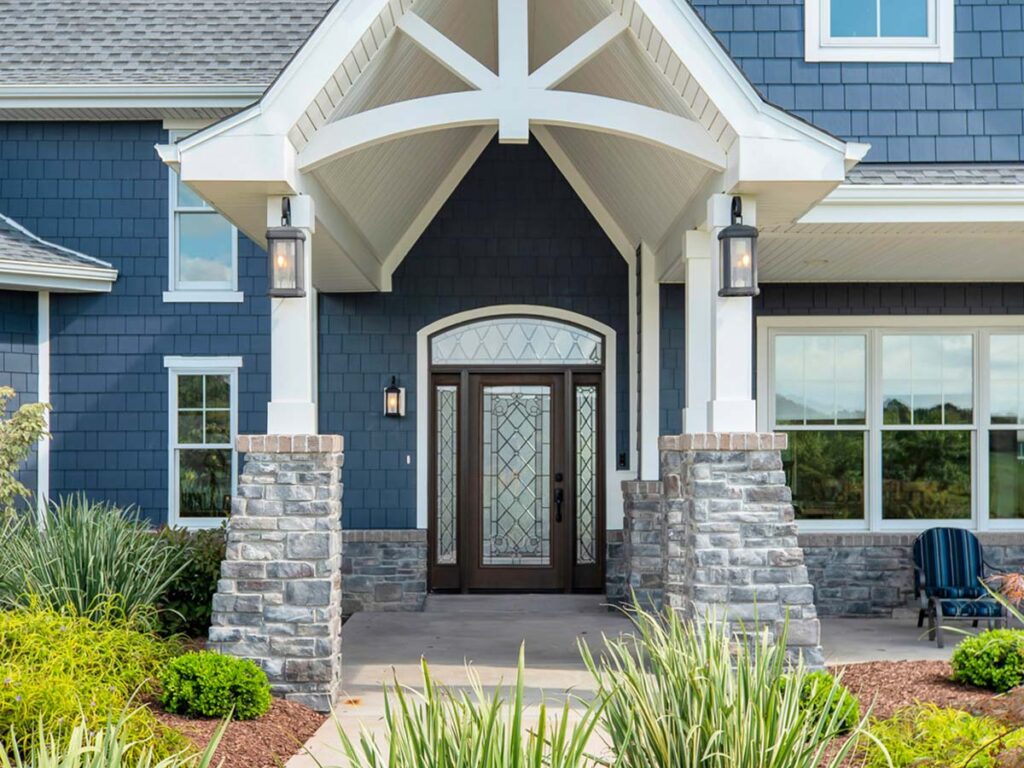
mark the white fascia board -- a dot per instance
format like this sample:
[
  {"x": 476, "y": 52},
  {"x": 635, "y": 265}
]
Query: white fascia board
[
  {"x": 18, "y": 275},
  {"x": 155, "y": 96},
  {"x": 920, "y": 203},
  {"x": 201, "y": 362}
]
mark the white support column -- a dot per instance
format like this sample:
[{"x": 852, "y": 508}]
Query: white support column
[
  {"x": 650, "y": 364},
  {"x": 292, "y": 409},
  {"x": 697, "y": 256},
  {"x": 43, "y": 396},
  {"x": 731, "y": 407}
]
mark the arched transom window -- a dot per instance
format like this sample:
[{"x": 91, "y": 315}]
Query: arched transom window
[{"x": 517, "y": 340}]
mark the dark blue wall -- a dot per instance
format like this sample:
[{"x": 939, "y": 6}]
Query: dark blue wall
[
  {"x": 513, "y": 232},
  {"x": 673, "y": 358},
  {"x": 99, "y": 188},
  {"x": 890, "y": 299},
  {"x": 18, "y": 360},
  {"x": 970, "y": 110}
]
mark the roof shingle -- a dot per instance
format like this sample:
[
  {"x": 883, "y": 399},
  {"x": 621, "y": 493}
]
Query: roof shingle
[{"x": 17, "y": 244}]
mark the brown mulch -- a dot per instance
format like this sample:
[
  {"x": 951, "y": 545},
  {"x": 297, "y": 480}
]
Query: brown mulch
[{"x": 267, "y": 742}]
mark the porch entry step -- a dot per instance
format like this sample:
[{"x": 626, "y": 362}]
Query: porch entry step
[{"x": 532, "y": 604}]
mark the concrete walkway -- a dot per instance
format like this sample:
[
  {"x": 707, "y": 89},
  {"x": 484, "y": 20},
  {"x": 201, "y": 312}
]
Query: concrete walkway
[{"x": 487, "y": 631}]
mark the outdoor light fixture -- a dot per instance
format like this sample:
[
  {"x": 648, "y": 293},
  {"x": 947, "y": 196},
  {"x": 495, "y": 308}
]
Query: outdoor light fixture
[
  {"x": 394, "y": 400},
  {"x": 285, "y": 246},
  {"x": 738, "y": 245}
]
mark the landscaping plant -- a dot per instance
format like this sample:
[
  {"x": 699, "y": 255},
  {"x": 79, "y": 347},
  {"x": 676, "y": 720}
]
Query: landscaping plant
[
  {"x": 442, "y": 728},
  {"x": 928, "y": 736},
  {"x": 691, "y": 695},
  {"x": 994, "y": 660},
  {"x": 19, "y": 434},
  {"x": 58, "y": 669},
  {"x": 822, "y": 695},
  {"x": 207, "y": 684},
  {"x": 187, "y": 603},
  {"x": 91, "y": 557}
]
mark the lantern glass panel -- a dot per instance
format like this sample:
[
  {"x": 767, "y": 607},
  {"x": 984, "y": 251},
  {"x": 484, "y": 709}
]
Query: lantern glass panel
[
  {"x": 741, "y": 262},
  {"x": 283, "y": 258},
  {"x": 392, "y": 402}
]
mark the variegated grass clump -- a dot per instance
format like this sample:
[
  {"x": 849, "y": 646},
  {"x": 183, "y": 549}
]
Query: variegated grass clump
[
  {"x": 441, "y": 728},
  {"x": 690, "y": 695}
]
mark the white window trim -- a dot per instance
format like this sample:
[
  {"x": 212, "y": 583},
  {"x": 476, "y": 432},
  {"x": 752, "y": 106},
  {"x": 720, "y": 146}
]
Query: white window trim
[
  {"x": 981, "y": 328},
  {"x": 191, "y": 292},
  {"x": 939, "y": 46},
  {"x": 176, "y": 366}
]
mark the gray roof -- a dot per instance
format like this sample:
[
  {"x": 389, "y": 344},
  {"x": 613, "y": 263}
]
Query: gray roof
[
  {"x": 17, "y": 244},
  {"x": 117, "y": 42},
  {"x": 929, "y": 173}
]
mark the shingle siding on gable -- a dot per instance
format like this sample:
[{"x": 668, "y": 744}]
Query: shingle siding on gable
[
  {"x": 19, "y": 361},
  {"x": 969, "y": 111},
  {"x": 100, "y": 188},
  {"x": 513, "y": 232}
]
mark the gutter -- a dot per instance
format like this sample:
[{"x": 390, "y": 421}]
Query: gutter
[{"x": 128, "y": 96}]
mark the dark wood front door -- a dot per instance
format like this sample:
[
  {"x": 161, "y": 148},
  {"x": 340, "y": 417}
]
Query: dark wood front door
[{"x": 517, "y": 481}]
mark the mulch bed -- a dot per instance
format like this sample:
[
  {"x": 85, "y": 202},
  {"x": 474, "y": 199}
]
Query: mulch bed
[{"x": 264, "y": 743}]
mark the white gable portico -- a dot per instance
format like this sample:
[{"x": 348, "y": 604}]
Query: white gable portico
[{"x": 389, "y": 103}]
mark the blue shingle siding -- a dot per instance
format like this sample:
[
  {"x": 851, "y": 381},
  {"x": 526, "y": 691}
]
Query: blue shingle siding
[
  {"x": 673, "y": 341},
  {"x": 890, "y": 299},
  {"x": 968, "y": 111},
  {"x": 99, "y": 188},
  {"x": 513, "y": 232},
  {"x": 19, "y": 367}
]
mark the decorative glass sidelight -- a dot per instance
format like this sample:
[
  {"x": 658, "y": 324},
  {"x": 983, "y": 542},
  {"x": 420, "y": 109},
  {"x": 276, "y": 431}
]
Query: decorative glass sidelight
[
  {"x": 516, "y": 475},
  {"x": 447, "y": 474},
  {"x": 517, "y": 340},
  {"x": 586, "y": 474}
]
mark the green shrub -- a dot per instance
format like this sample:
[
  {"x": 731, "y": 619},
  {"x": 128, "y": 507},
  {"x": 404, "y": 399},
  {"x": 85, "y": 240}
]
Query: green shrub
[
  {"x": 442, "y": 728},
  {"x": 206, "y": 684},
  {"x": 186, "y": 605},
  {"x": 994, "y": 659},
  {"x": 19, "y": 434},
  {"x": 824, "y": 697},
  {"x": 89, "y": 557},
  {"x": 688, "y": 695},
  {"x": 58, "y": 669},
  {"x": 927, "y": 736}
]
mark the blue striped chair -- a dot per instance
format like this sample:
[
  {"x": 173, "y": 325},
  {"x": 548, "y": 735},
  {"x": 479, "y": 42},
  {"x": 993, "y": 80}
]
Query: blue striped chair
[{"x": 949, "y": 568}]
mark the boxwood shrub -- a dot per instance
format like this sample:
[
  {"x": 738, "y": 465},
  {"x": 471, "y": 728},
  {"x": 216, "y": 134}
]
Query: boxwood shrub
[
  {"x": 993, "y": 660},
  {"x": 207, "y": 684}
]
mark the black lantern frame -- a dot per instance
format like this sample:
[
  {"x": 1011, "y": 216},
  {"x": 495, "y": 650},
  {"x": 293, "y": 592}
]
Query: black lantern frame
[
  {"x": 394, "y": 400},
  {"x": 738, "y": 251},
  {"x": 286, "y": 253}
]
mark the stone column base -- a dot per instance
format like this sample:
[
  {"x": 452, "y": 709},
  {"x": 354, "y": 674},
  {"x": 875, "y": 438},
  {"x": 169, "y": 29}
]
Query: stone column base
[
  {"x": 278, "y": 601},
  {"x": 643, "y": 530}
]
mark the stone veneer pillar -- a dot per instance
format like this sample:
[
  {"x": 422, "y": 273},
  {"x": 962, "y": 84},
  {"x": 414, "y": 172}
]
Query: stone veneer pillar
[
  {"x": 278, "y": 601},
  {"x": 730, "y": 546},
  {"x": 643, "y": 531}
]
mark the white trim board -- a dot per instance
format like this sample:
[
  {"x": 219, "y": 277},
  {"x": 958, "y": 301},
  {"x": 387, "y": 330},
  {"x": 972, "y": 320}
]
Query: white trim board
[
  {"x": 142, "y": 96},
  {"x": 613, "y": 477},
  {"x": 919, "y": 203}
]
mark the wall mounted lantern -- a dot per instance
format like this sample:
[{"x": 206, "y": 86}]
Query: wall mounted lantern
[
  {"x": 285, "y": 246},
  {"x": 738, "y": 245},
  {"x": 394, "y": 400}
]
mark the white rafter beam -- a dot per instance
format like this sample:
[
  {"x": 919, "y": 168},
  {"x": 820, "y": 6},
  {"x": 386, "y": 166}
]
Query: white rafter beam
[
  {"x": 453, "y": 110},
  {"x": 514, "y": 69},
  {"x": 448, "y": 54},
  {"x": 440, "y": 195},
  {"x": 586, "y": 193},
  {"x": 560, "y": 66}
]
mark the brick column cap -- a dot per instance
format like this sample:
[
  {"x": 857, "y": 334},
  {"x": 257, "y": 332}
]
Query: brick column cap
[
  {"x": 724, "y": 441},
  {"x": 290, "y": 443}
]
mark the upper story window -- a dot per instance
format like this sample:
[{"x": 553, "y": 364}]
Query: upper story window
[
  {"x": 879, "y": 30},
  {"x": 203, "y": 248}
]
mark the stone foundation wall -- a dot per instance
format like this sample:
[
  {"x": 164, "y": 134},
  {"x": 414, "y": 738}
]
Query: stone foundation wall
[
  {"x": 615, "y": 568},
  {"x": 384, "y": 570},
  {"x": 643, "y": 533},
  {"x": 872, "y": 574}
]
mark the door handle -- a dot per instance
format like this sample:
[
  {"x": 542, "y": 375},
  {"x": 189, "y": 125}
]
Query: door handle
[{"x": 559, "y": 498}]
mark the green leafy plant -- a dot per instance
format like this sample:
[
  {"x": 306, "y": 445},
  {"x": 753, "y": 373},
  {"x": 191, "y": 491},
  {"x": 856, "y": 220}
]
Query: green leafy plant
[
  {"x": 19, "y": 433},
  {"x": 207, "y": 684},
  {"x": 824, "y": 696},
  {"x": 442, "y": 728},
  {"x": 187, "y": 603},
  {"x": 993, "y": 659},
  {"x": 692, "y": 695},
  {"x": 89, "y": 557},
  {"x": 108, "y": 747},
  {"x": 58, "y": 669},
  {"x": 928, "y": 736}
]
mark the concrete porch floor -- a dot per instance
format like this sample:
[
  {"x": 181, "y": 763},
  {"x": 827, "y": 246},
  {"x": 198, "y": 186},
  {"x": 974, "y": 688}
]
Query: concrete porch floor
[{"x": 487, "y": 630}]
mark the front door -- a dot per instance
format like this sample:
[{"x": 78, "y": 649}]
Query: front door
[{"x": 516, "y": 480}]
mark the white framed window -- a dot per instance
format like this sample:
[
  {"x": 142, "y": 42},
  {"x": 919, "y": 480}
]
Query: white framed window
[
  {"x": 879, "y": 30},
  {"x": 202, "y": 427},
  {"x": 203, "y": 253},
  {"x": 897, "y": 423}
]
